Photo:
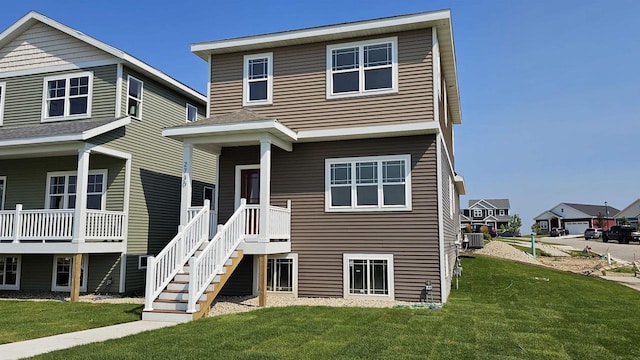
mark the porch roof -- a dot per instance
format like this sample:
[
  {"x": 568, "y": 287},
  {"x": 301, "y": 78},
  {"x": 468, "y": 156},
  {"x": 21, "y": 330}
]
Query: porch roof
[{"x": 56, "y": 132}]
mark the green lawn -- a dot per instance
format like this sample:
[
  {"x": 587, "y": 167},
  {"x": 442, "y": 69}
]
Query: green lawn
[
  {"x": 503, "y": 310},
  {"x": 23, "y": 320}
]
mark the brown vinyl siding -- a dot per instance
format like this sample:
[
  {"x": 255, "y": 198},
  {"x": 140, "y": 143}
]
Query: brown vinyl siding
[
  {"x": 321, "y": 238},
  {"x": 24, "y": 94},
  {"x": 299, "y": 87},
  {"x": 450, "y": 224}
]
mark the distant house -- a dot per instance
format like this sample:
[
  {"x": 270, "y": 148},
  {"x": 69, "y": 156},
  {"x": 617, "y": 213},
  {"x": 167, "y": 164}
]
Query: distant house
[
  {"x": 490, "y": 212},
  {"x": 576, "y": 218},
  {"x": 631, "y": 213}
]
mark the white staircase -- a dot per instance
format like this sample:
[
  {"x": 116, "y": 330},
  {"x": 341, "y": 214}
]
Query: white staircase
[{"x": 187, "y": 275}]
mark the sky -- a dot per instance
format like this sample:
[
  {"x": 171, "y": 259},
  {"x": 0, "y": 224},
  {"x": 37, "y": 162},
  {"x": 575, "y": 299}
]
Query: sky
[{"x": 549, "y": 89}]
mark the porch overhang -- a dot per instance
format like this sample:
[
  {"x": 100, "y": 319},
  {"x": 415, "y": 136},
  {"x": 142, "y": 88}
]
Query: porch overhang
[
  {"x": 54, "y": 139},
  {"x": 212, "y": 136},
  {"x": 62, "y": 248}
]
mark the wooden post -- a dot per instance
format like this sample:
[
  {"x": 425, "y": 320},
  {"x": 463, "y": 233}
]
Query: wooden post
[
  {"x": 75, "y": 280},
  {"x": 262, "y": 282}
]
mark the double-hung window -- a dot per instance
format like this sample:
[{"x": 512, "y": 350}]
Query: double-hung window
[
  {"x": 192, "y": 113},
  {"x": 369, "y": 275},
  {"x": 367, "y": 67},
  {"x": 9, "y": 272},
  {"x": 134, "y": 98},
  {"x": 63, "y": 273},
  {"x": 258, "y": 79},
  {"x": 67, "y": 96},
  {"x": 61, "y": 190},
  {"x": 368, "y": 183},
  {"x": 3, "y": 87}
]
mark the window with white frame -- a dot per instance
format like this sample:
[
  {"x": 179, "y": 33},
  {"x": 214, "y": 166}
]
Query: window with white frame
[
  {"x": 63, "y": 273},
  {"x": 61, "y": 190},
  {"x": 502, "y": 213},
  {"x": 490, "y": 212},
  {"x": 280, "y": 274},
  {"x": 9, "y": 272},
  {"x": 258, "y": 79},
  {"x": 368, "y": 275},
  {"x": 134, "y": 97},
  {"x": 3, "y": 187},
  {"x": 142, "y": 261},
  {"x": 477, "y": 213},
  {"x": 67, "y": 96},
  {"x": 368, "y": 183},
  {"x": 366, "y": 67},
  {"x": 192, "y": 113},
  {"x": 3, "y": 90}
]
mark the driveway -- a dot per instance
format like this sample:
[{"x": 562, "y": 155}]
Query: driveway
[{"x": 624, "y": 252}]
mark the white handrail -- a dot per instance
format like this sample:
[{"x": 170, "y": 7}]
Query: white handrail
[
  {"x": 6, "y": 224},
  {"x": 209, "y": 263},
  {"x": 105, "y": 225},
  {"x": 280, "y": 222},
  {"x": 162, "y": 268}
]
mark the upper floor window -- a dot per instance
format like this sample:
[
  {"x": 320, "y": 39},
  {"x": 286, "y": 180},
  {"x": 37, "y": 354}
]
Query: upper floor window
[
  {"x": 490, "y": 212},
  {"x": 477, "y": 213},
  {"x": 3, "y": 86},
  {"x": 67, "y": 96},
  {"x": 192, "y": 113},
  {"x": 258, "y": 79},
  {"x": 61, "y": 190},
  {"x": 134, "y": 99},
  {"x": 502, "y": 213},
  {"x": 368, "y": 183},
  {"x": 367, "y": 67}
]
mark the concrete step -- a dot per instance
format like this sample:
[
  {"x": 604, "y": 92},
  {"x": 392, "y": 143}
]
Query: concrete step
[
  {"x": 167, "y": 315},
  {"x": 178, "y": 295},
  {"x": 161, "y": 304}
]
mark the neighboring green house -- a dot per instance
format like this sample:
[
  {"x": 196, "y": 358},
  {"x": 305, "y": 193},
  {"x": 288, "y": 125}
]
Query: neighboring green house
[{"x": 85, "y": 174}]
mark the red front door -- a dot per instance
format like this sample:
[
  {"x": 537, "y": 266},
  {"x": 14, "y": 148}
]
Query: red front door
[{"x": 250, "y": 185}]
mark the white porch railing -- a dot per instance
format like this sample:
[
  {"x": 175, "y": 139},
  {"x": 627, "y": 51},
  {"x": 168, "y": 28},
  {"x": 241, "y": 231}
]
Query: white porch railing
[
  {"x": 162, "y": 268},
  {"x": 55, "y": 224},
  {"x": 280, "y": 222},
  {"x": 209, "y": 263},
  {"x": 192, "y": 211}
]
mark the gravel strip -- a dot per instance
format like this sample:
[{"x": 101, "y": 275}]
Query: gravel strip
[
  {"x": 506, "y": 251},
  {"x": 89, "y": 298}
]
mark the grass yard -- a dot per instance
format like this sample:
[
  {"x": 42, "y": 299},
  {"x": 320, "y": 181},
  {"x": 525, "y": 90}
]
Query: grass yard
[
  {"x": 503, "y": 310},
  {"x": 24, "y": 320}
]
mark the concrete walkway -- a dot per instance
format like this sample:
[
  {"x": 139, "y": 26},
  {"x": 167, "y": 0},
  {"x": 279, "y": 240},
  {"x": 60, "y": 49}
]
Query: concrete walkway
[{"x": 34, "y": 347}]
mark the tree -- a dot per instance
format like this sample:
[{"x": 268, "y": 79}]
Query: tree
[
  {"x": 514, "y": 224},
  {"x": 624, "y": 221},
  {"x": 599, "y": 221},
  {"x": 535, "y": 228}
]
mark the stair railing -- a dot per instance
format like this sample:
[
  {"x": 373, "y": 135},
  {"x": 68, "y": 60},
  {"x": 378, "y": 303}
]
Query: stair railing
[
  {"x": 162, "y": 268},
  {"x": 211, "y": 261}
]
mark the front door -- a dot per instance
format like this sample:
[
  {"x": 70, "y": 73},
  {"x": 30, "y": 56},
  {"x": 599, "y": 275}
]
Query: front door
[{"x": 250, "y": 185}]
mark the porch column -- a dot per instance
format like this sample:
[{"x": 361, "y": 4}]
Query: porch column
[
  {"x": 265, "y": 188},
  {"x": 262, "y": 281},
  {"x": 185, "y": 198},
  {"x": 75, "y": 280},
  {"x": 80, "y": 220}
]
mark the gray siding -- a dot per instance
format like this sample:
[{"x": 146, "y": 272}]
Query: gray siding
[
  {"x": 102, "y": 268},
  {"x": 320, "y": 238},
  {"x": 35, "y": 272},
  {"x": 24, "y": 94},
  {"x": 450, "y": 224},
  {"x": 299, "y": 87},
  {"x": 156, "y": 171},
  {"x": 42, "y": 45}
]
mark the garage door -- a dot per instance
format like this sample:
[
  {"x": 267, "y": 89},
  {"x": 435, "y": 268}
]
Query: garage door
[{"x": 576, "y": 227}]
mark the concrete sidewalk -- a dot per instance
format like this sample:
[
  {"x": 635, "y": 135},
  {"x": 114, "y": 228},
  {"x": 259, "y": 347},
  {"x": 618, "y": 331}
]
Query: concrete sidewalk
[
  {"x": 34, "y": 347},
  {"x": 630, "y": 281}
]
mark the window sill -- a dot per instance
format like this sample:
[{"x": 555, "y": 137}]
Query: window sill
[
  {"x": 405, "y": 209},
  {"x": 369, "y": 297},
  {"x": 65, "y": 118},
  {"x": 257, "y": 103},
  {"x": 361, "y": 94}
]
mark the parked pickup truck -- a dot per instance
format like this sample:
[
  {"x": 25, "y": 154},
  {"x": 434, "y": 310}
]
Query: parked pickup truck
[{"x": 623, "y": 234}]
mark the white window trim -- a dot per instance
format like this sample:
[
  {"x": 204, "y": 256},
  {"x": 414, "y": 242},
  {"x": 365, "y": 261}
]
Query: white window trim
[
  {"x": 239, "y": 169},
  {"x": 3, "y": 95},
  {"x": 489, "y": 212},
  {"x": 141, "y": 100},
  {"x": 451, "y": 200},
  {"x": 17, "y": 285},
  {"x": 67, "y": 173},
  {"x": 294, "y": 275},
  {"x": 477, "y": 213},
  {"x": 3, "y": 179},
  {"x": 502, "y": 213},
  {"x": 66, "y": 77},
  {"x": 380, "y": 206},
  {"x": 54, "y": 274},
  {"x": 245, "y": 79},
  {"x": 187, "y": 112},
  {"x": 361, "y": 45},
  {"x": 345, "y": 276},
  {"x": 140, "y": 266}
]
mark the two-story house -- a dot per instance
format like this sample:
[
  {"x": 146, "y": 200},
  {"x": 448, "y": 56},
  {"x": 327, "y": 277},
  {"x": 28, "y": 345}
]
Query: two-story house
[
  {"x": 340, "y": 141},
  {"x": 494, "y": 213},
  {"x": 88, "y": 185}
]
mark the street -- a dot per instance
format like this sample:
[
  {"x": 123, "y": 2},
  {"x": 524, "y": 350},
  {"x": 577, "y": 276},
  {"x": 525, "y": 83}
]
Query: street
[{"x": 623, "y": 252}]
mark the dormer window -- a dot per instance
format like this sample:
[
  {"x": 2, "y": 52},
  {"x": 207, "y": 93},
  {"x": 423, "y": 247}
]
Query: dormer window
[
  {"x": 258, "y": 79},
  {"x": 67, "y": 96},
  {"x": 361, "y": 68}
]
